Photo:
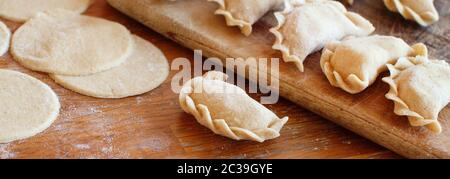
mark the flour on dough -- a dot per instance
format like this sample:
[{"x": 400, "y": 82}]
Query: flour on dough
[
  {"x": 22, "y": 10},
  {"x": 306, "y": 27},
  {"x": 146, "y": 69},
  {"x": 65, "y": 43},
  {"x": 422, "y": 11},
  {"x": 27, "y": 106},
  {"x": 227, "y": 110},
  {"x": 244, "y": 13},
  {"x": 355, "y": 63},
  {"x": 420, "y": 90},
  {"x": 5, "y": 38}
]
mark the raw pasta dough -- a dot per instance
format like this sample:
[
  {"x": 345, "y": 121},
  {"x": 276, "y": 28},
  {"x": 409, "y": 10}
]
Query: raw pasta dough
[
  {"x": 244, "y": 13},
  {"x": 227, "y": 110},
  {"x": 22, "y": 10},
  {"x": 27, "y": 106},
  {"x": 145, "y": 69},
  {"x": 420, "y": 89},
  {"x": 355, "y": 64},
  {"x": 5, "y": 38},
  {"x": 66, "y": 43},
  {"x": 422, "y": 11},
  {"x": 306, "y": 28}
]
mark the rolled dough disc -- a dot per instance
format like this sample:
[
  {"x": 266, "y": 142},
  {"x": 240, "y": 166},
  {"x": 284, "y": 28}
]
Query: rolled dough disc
[
  {"x": 22, "y": 10},
  {"x": 146, "y": 69},
  {"x": 66, "y": 43},
  {"x": 5, "y": 38},
  {"x": 27, "y": 106}
]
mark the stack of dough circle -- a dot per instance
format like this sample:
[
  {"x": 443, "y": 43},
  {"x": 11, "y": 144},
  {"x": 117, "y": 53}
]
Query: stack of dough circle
[
  {"x": 66, "y": 43},
  {"x": 5, "y": 37},
  {"x": 27, "y": 106},
  {"x": 22, "y": 10},
  {"x": 145, "y": 69}
]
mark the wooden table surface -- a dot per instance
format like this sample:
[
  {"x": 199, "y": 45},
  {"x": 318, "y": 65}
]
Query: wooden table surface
[{"x": 154, "y": 126}]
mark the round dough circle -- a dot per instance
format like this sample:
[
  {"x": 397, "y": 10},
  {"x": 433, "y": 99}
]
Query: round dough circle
[
  {"x": 146, "y": 69},
  {"x": 27, "y": 106},
  {"x": 66, "y": 43},
  {"x": 22, "y": 10},
  {"x": 5, "y": 38}
]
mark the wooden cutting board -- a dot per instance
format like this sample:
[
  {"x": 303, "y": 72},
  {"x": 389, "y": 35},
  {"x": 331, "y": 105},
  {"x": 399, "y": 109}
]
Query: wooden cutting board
[
  {"x": 369, "y": 114},
  {"x": 153, "y": 125}
]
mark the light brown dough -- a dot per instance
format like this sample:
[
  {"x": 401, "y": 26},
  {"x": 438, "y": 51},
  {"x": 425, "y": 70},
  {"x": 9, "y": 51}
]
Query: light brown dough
[
  {"x": 244, "y": 13},
  {"x": 306, "y": 27},
  {"x": 227, "y": 109},
  {"x": 66, "y": 43},
  {"x": 420, "y": 89},
  {"x": 27, "y": 106},
  {"x": 354, "y": 64},
  {"x": 145, "y": 69},
  {"x": 421, "y": 11},
  {"x": 22, "y": 10}
]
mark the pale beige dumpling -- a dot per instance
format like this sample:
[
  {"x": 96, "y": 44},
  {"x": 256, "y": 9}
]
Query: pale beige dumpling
[
  {"x": 306, "y": 27},
  {"x": 227, "y": 109},
  {"x": 22, "y": 10},
  {"x": 420, "y": 89},
  {"x": 244, "y": 13},
  {"x": 421, "y": 11},
  {"x": 355, "y": 64}
]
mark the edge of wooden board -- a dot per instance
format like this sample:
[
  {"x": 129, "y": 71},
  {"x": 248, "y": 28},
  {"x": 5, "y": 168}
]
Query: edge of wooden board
[{"x": 166, "y": 26}]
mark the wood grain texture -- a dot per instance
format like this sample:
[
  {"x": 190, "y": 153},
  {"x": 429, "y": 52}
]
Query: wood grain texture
[
  {"x": 154, "y": 126},
  {"x": 369, "y": 114}
]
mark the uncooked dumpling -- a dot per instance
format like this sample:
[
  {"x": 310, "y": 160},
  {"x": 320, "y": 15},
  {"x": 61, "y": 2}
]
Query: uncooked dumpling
[
  {"x": 355, "y": 64},
  {"x": 5, "y": 38},
  {"x": 227, "y": 110},
  {"x": 421, "y": 11},
  {"x": 145, "y": 69},
  {"x": 306, "y": 28},
  {"x": 27, "y": 106},
  {"x": 22, "y": 10},
  {"x": 420, "y": 89},
  {"x": 65, "y": 43},
  {"x": 244, "y": 13}
]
